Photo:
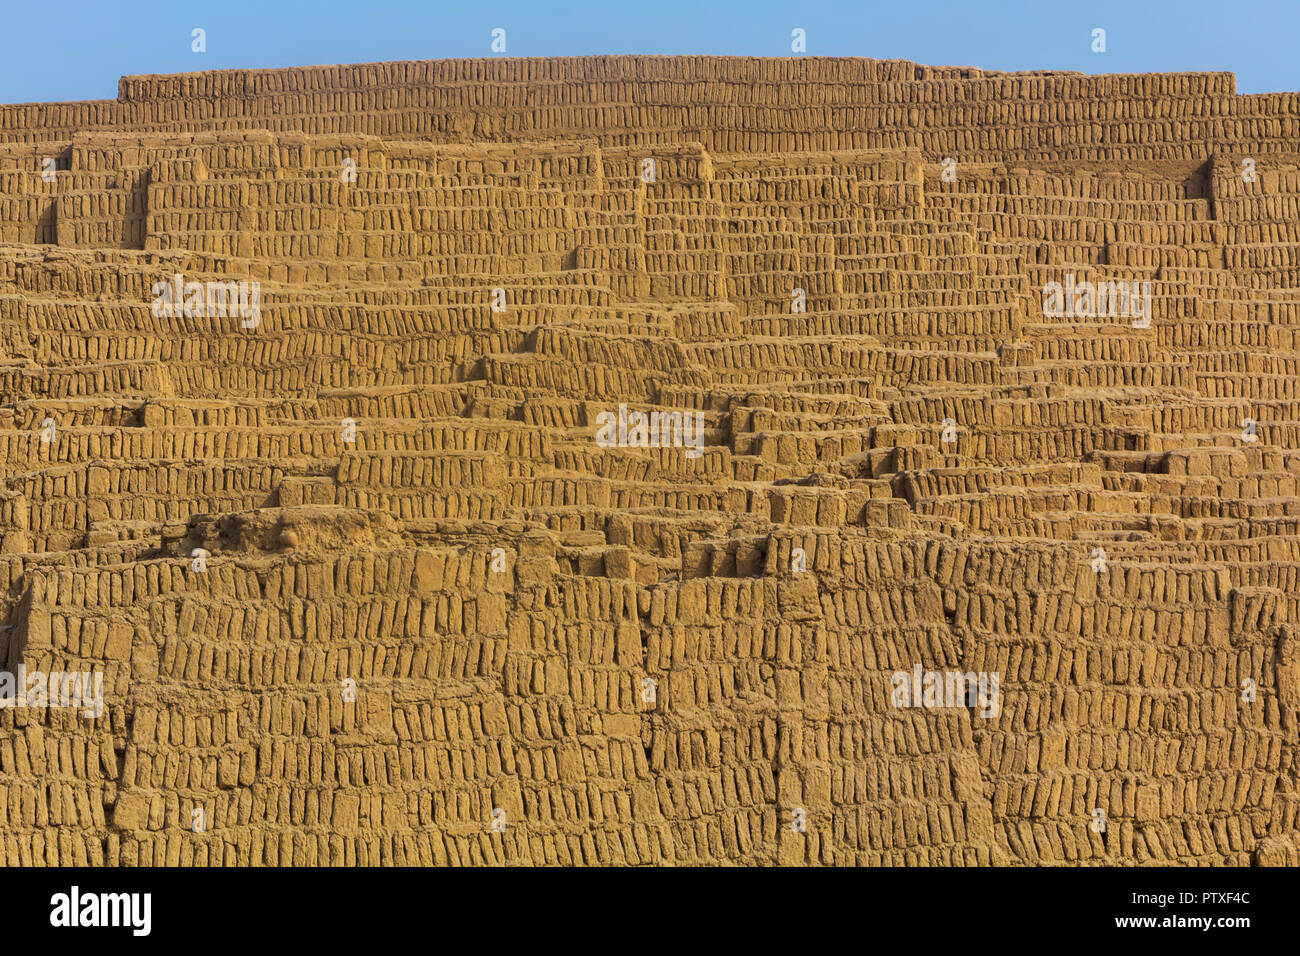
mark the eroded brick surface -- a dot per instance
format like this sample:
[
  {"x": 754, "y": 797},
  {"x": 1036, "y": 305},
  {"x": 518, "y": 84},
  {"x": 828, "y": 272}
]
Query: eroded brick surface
[{"x": 365, "y": 587}]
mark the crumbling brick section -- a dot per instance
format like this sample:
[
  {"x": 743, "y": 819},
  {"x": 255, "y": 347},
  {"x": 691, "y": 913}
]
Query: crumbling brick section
[{"x": 324, "y": 443}]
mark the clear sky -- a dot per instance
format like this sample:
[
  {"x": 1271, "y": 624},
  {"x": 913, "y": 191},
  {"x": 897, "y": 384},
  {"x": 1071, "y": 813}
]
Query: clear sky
[{"x": 77, "y": 49}]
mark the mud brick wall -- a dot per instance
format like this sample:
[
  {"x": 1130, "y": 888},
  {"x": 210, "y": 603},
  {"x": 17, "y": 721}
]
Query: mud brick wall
[{"x": 651, "y": 460}]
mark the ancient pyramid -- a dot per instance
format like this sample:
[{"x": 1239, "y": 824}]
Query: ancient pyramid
[{"x": 651, "y": 460}]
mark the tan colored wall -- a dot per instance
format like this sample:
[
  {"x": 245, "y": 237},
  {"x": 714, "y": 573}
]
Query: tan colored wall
[{"x": 468, "y": 632}]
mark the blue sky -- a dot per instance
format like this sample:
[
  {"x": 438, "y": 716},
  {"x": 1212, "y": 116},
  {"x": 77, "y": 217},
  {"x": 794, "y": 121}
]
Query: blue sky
[{"x": 77, "y": 49}]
